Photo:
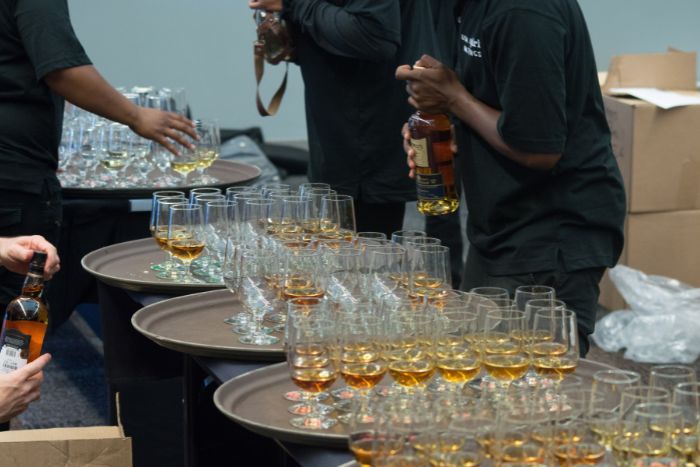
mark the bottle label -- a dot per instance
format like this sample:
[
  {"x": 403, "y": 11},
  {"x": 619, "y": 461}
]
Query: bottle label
[
  {"x": 15, "y": 350},
  {"x": 421, "y": 148},
  {"x": 430, "y": 186}
]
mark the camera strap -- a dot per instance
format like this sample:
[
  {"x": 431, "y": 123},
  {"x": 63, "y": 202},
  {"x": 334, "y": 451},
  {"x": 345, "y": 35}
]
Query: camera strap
[{"x": 259, "y": 58}]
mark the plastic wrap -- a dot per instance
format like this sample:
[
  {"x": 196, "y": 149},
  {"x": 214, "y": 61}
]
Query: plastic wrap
[{"x": 662, "y": 324}]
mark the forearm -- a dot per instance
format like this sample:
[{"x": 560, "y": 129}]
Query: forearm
[
  {"x": 86, "y": 88},
  {"x": 483, "y": 119},
  {"x": 356, "y": 31}
]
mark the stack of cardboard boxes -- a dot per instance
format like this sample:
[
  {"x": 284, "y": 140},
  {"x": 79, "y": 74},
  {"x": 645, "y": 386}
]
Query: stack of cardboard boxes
[{"x": 658, "y": 152}]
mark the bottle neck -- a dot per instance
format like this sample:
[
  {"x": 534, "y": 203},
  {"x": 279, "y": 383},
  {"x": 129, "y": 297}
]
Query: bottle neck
[{"x": 33, "y": 285}]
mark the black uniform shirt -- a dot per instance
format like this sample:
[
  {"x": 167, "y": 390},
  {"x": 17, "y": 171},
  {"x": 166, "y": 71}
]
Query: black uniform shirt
[
  {"x": 533, "y": 60},
  {"x": 36, "y": 38},
  {"x": 348, "y": 52}
]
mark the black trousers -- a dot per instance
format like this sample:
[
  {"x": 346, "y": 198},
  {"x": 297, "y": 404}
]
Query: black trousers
[
  {"x": 578, "y": 289},
  {"x": 379, "y": 217},
  {"x": 28, "y": 214}
]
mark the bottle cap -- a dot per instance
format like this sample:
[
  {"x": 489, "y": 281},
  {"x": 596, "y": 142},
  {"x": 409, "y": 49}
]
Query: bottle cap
[{"x": 38, "y": 261}]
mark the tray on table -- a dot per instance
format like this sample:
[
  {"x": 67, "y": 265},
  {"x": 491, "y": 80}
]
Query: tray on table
[
  {"x": 227, "y": 173},
  {"x": 255, "y": 401},
  {"x": 194, "y": 324},
  {"x": 127, "y": 265}
]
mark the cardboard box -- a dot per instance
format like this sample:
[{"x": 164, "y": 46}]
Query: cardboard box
[
  {"x": 664, "y": 244},
  {"x": 66, "y": 447},
  {"x": 658, "y": 150}
]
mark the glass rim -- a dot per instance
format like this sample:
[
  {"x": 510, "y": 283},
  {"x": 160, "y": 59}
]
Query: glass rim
[
  {"x": 608, "y": 376},
  {"x": 681, "y": 388}
]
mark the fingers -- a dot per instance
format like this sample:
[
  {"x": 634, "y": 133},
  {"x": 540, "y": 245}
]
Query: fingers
[
  {"x": 179, "y": 138},
  {"x": 34, "y": 368},
  {"x": 184, "y": 125},
  {"x": 405, "y": 73},
  {"x": 167, "y": 144},
  {"x": 427, "y": 61},
  {"x": 53, "y": 262}
]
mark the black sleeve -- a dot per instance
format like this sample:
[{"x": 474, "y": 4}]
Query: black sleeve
[
  {"x": 48, "y": 36},
  {"x": 526, "y": 53},
  {"x": 362, "y": 29}
]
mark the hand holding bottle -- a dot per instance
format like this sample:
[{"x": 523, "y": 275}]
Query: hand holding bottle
[
  {"x": 21, "y": 387},
  {"x": 432, "y": 86},
  {"x": 17, "y": 252}
]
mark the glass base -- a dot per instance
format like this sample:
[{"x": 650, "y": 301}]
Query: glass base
[
  {"x": 306, "y": 408},
  {"x": 298, "y": 396},
  {"x": 313, "y": 423},
  {"x": 258, "y": 339},
  {"x": 344, "y": 393}
]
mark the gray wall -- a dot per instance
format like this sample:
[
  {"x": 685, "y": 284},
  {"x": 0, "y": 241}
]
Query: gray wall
[{"x": 206, "y": 47}]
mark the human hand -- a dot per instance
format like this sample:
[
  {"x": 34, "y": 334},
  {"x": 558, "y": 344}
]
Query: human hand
[
  {"x": 21, "y": 387},
  {"x": 17, "y": 252},
  {"x": 269, "y": 5},
  {"x": 163, "y": 127},
  {"x": 408, "y": 149},
  {"x": 432, "y": 86}
]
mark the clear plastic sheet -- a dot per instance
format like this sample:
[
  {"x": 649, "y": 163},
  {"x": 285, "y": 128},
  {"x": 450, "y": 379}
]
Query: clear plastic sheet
[{"x": 662, "y": 324}]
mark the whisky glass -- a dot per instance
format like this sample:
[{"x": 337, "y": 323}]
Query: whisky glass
[
  {"x": 231, "y": 276},
  {"x": 312, "y": 364},
  {"x": 207, "y": 150},
  {"x": 195, "y": 192},
  {"x": 362, "y": 363},
  {"x": 428, "y": 271},
  {"x": 385, "y": 270},
  {"x": 400, "y": 236},
  {"x": 670, "y": 376},
  {"x": 168, "y": 269},
  {"x": 341, "y": 269},
  {"x": 232, "y": 191},
  {"x": 185, "y": 163},
  {"x": 258, "y": 296},
  {"x": 305, "y": 308},
  {"x": 525, "y": 293},
  {"x": 655, "y": 424},
  {"x": 304, "y": 188},
  {"x": 254, "y": 220},
  {"x": 491, "y": 292},
  {"x": 221, "y": 218},
  {"x": 457, "y": 355},
  {"x": 553, "y": 344},
  {"x": 153, "y": 222},
  {"x": 116, "y": 158},
  {"x": 576, "y": 439},
  {"x": 686, "y": 396},
  {"x": 337, "y": 216},
  {"x": 186, "y": 240},
  {"x": 411, "y": 350},
  {"x": 505, "y": 355},
  {"x": 302, "y": 275}
]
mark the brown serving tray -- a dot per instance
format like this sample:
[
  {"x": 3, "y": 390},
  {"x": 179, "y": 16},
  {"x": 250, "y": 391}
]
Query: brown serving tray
[
  {"x": 128, "y": 266},
  {"x": 228, "y": 173},
  {"x": 254, "y": 400},
  {"x": 194, "y": 324}
]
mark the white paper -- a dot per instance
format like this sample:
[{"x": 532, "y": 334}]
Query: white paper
[{"x": 663, "y": 99}]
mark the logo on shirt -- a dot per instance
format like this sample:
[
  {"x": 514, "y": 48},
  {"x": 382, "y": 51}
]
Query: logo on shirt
[{"x": 471, "y": 46}]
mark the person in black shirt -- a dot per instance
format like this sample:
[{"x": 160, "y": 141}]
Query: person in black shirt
[
  {"x": 41, "y": 64},
  {"x": 545, "y": 195},
  {"x": 347, "y": 52}
]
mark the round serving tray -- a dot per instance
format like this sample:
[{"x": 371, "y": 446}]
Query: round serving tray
[
  {"x": 254, "y": 400},
  {"x": 194, "y": 324},
  {"x": 227, "y": 173},
  {"x": 128, "y": 266}
]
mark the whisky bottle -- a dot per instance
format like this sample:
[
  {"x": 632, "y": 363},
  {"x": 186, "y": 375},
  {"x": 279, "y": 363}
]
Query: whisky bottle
[
  {"x": 26, "y": 320},
  {"x": 431, "y": 139}
]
